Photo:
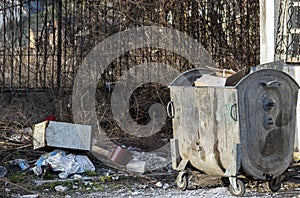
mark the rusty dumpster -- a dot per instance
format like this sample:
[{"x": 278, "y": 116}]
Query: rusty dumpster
[{"x": 240, "y": 132}]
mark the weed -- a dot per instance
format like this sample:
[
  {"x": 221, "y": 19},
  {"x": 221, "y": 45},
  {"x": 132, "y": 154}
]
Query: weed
[
  {"x": 49, "y": 175},
  {"x": 113, "y": 186},
  {"x": 17, "y": 153},
  {"x": 103, "y": 179},
  {"x": 17, "y": 177},
  {"x": 51, "y": 186},
  {"x": 98, "y": 186},
  {"x": 90, "y": 173}
]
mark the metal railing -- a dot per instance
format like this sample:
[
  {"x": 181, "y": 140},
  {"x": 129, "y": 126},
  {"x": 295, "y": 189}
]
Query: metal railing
[
  {"x": 42, "y": 42},
  {"x": 288, "y": 32}
]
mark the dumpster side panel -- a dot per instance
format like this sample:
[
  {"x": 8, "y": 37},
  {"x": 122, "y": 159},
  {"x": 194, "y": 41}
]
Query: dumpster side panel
[
  {"x": 206, "y": 127},
  {"x": 218, "y": 130},
  {"x": 176, "y": 123},
  {"x": 228, "y": 129},
  {"x": 188, "y": 122},
  {"x": 185, "y": 121},
  {"x": 206, "y": 158}
]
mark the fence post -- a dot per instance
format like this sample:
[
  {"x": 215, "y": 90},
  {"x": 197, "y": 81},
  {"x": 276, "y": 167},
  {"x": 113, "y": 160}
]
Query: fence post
[
  {"x": 59, "y": 56},
  {"x": 59, "y": 43}
]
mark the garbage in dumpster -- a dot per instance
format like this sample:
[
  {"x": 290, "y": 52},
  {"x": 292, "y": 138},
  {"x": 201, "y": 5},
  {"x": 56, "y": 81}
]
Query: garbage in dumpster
[
  {"x": 62, "y": 135},
  {"x": 220, "y": 78},
  {"x": 224, "y": 73},
  {"x": 67, "y": 164},
  {"x": 209, "y": 80}
]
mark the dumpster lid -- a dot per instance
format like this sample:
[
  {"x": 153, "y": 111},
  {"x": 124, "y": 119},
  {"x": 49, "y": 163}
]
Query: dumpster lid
[
  {"x": 209, "y": 76},
  {"x": 262, "y": 73},
  {"x": 188, "y": 78}
]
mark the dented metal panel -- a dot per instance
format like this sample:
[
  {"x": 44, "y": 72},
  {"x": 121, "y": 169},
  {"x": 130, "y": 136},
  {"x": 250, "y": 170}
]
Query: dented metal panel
[
  {"x": 218, "y": 128},
  {"x": 206, "y": 126}
]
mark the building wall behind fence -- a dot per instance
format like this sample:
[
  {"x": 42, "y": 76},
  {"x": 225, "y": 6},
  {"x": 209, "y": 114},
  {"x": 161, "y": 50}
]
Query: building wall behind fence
[{"x": 43, "y": 42}]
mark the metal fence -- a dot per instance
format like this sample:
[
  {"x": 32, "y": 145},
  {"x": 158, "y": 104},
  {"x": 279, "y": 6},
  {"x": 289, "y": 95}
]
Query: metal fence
[
  {"x": 288, "y": 32},
  {"x": 42, "y": 42}
]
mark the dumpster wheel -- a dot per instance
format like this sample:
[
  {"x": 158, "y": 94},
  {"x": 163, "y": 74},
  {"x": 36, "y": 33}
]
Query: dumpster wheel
[
  {"x": 239, "y": 191},
  {"x": 182, "y": 180},
  {"x": 274, "y": 185}
]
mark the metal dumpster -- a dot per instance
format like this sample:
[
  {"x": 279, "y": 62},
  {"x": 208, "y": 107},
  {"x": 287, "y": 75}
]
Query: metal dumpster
[{"x": 242, "y": 132}]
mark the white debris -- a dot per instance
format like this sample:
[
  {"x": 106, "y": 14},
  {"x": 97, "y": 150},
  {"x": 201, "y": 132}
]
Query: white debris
[
  {"x": 88, "y": 183},
  {"x": 137, "y": 166},
  {"x": 159, "y": 184},
  {"x": 84, "y": 164},
  {"x": 115, "y": 178},
  {"x": 136, "y": 193},
  {"x": 77, "y": 177},
  {"x": 67, "y": 164},
  {"x": 153, "y": 160},
  {"x": 29, "y": 196},
  {"x": 166, "y": 186},
  {"x": 37, "y": 170},
  {"x": 61, "y": 188}
]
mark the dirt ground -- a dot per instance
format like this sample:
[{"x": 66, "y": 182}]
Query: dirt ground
[{"x": 109, "y": 182}]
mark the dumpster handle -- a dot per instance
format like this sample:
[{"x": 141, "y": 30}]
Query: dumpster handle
[
  {"x": 170, "y": 105},
  {"x": 273, "y": 83},
  {"x": 233, "y": 116}
]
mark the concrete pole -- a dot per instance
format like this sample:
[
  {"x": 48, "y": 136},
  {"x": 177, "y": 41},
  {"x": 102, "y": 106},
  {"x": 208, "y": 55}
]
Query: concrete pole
[{"x": 268, "y": 24}]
